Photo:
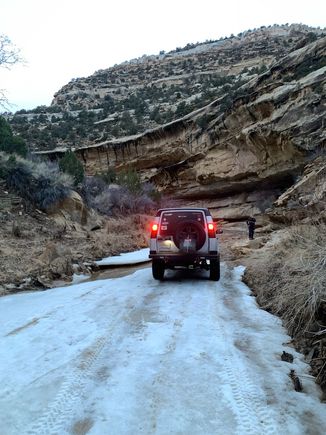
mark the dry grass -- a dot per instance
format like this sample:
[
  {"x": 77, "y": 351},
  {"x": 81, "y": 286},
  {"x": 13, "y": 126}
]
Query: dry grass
[
  {"x": 290, "y": 280},
  {"x": 128, "y": 233},
  {"x": 23, "y": 259}
]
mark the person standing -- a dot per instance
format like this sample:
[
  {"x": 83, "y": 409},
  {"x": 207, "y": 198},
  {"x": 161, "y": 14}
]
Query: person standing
[{"x": 251, "y": 222}]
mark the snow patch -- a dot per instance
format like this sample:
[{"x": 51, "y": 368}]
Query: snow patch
[
  {"x": 125, "y": 259},
  {"x": 133, "y": 355}
]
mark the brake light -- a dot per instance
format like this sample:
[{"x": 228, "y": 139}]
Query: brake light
[
  {"x": 154, "y": 231},
  {"x": 211, "y": 230}
]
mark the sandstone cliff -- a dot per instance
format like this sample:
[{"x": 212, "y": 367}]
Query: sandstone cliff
[
  {"x": 306, "y": 198},
  {"x": 145, "y": 93},
  {"x": 231, "y": 122},
  {"x": 246, "y": 154}
]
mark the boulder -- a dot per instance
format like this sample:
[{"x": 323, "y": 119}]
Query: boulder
[
  {"x": 61, "y": 268},
  {"x": 71, "y": 209},
  {"x": 49, "y": 254}
]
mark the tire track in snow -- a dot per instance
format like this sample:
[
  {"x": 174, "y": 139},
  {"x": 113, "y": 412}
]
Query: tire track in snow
[
  {"x": 58, "y": 414},
  {"x": 160, "y": 377},
  {"x": 252, "y": 414}
]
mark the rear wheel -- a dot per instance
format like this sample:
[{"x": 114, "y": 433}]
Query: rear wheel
[
  {"x": 214, "y": 270},
  {"x": 158, "y": 269}
]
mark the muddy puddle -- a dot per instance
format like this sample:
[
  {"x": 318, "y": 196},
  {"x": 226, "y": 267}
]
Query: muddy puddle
[{"x": 117, "y": 271}]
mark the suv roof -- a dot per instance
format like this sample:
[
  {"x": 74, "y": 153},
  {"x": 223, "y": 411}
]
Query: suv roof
[{"x": 205, "y": 210}]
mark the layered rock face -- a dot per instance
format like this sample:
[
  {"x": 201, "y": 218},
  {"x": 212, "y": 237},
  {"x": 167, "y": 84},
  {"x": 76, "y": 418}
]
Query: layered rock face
[
  {"x": 239, "y": 153},
  {"x": 246, "y": 155},
  {"x": 187, "y": 66},
  {"x": 145, "y": 93},
  {"x": 306, "y": 199}
]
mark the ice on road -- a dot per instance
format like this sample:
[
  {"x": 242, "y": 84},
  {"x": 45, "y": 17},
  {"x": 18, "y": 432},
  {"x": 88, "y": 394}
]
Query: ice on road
[
  {"x": 137, "y": 356},
  {"x": 128, "y": 258}
]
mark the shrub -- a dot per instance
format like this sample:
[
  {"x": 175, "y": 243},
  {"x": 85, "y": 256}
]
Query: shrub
[
  {"x": 42, "y": 192},
  {"x": 128, "y": 197},
  {"x": 40, "y": 167},
  {"x": 5, "y": 164},
  {"x": 307, "y": 66},
  {"x": 71, "y": 165},
  {"x": 3, "y": 172},
  {"x": 5, "y": 132},
  {"x": 91, "y": 188},
  {"x": 109, "y": 176},
  {"x": 150, "y": 190},
  {"x": 110, "y": 201},
  {"x": 10, "y": 143},
  {"x": 291, "y": 279},
  {"x": 119, "y": 200},
  {"x": 47, "y": 194},
  {"x": 129, "y": 179},
  {"x": 28, "y": 180},
  {"x": 203, "y": 121}
]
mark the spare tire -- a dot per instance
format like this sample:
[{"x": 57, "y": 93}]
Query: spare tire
[{"x": 189, "y": 230}]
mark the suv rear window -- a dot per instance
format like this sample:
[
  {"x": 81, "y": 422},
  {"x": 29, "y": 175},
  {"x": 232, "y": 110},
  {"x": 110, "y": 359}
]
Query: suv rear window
[{"x": 170, "y": 220}]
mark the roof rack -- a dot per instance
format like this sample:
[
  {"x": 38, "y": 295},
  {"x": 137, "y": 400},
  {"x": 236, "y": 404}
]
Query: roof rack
[{"x": 205, "y": 210}]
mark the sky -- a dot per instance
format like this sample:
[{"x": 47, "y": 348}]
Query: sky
[{"x": 65, "y": 39}]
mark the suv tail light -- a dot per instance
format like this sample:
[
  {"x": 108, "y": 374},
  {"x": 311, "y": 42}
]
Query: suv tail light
[
  {"x": 154, "y": 229},
  {"x": 211, "y": 230}
]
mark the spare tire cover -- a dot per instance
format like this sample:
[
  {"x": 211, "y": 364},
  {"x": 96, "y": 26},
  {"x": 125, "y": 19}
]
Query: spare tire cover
[{"x": 192, "y": 230}]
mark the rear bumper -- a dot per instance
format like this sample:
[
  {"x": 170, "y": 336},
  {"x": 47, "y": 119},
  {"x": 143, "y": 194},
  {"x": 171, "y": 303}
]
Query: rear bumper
[{"x": 184, "y": 259}]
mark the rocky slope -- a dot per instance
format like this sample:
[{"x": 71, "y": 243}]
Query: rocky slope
[
  {"x": 263, "y": 122},
  {"x": 239, "y": 158},
  {"x": 40, "y": 250},
  {"x": 306, "y": 199},
  {"x": 148, "y": 92}
]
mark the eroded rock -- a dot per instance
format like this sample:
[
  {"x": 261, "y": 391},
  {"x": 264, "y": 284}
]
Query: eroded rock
[
  {"x": 306, "y": 198},
  {"x": 260, "y": 141},
  {"x": 72, "y": 208}
]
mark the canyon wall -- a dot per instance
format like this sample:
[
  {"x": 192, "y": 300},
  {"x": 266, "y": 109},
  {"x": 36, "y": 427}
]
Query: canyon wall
[{"x": 246, "y": 155}]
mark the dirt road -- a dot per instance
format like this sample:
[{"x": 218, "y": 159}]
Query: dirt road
[{"x": 136, "y": 356}]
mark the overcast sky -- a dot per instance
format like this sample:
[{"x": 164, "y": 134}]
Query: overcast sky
[{"x": 64, "y": 39}]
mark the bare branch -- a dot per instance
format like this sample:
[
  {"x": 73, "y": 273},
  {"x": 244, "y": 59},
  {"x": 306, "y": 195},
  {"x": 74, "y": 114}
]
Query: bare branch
[
  {"x": 9, "y": 56},
  {"x": 9, "y": 53},
  {"x": 4, "y": 103}
]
